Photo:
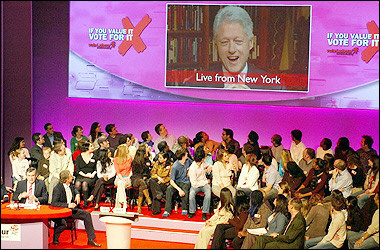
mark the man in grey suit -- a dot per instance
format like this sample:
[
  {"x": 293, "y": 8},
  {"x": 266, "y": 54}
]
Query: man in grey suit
[{"x": 31, "y": 190}]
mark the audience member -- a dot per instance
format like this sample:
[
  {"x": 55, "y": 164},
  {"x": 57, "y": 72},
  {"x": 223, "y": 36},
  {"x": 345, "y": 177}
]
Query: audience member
[
  {"x": 95, "y": 134},
  {"x": 36, "y": 150},
  {"x": 366, "y": 151},
  {"x": 164, "y": 148},
  {"x": 306, "y": 163},
  {"x": 369, "y": 238},
  {"x": 285, "y": 158},
  {"x": 293, "y": 237},
  {"x": 253, "y": 140},
  {"x": 78, "y": 150},
  {"x": 337, "y": 231},
  {"x": 85, "y": 171},
  {"x": 140, "y": 176},
  {"x": 183, "y": 142},
  {"x": 343, "y": 149},
  {"x": 18, "y": 143},
  {"x": 294, "y": 176},
  {"x": 355, "y": 220},
  {"x": 163, "y": 136},
  {"x": 249, "y": 176},
  {"x": 341, "y": 179},
  {"x": 179, "y": 182},
  {"x": 271, "y": 177},
  {"x": 357, "y": 173},
  {"x": 103, "y": 144},
  {"x": 77, "y": 134},
  {"x": 19, "y": 166},
  {"x": 228, "y": 138},
  {"x": 199, "y": 183},
  {"x": 31, "y": 190},
  {"x": 230, "y": 230},
  {"x": 221, "y": 173},
  {"x": 285, "y": 190},
  {"x": 202, "y": 138},
  {"x": 147, "y": 138},
  {"x": 324, "y": 148},
  {"x": 123, "y": 167},
  {"x": 60, "y": 159},
  {"x": 65, "y": 195},
  {"x": 315, "y": 180},
  {"x": 276, "y": 221},
  {"x": 221, "y": 216},
  {"x": 5, "y": 191},
  {"x": 50, "y": 136},
  {"x": 297, "y": 147},
  {"x": 277, "y": 147},
  {"x": 317, "y": 217},
  {"x": 106, "y": 173},
  {"x": 159, "y": 180},
  {"x": 371, "y": 182},
  {"x": 43, "y": 171},
  {"x": 113, "y": 135},
  {"x": 257, "y": 217}
]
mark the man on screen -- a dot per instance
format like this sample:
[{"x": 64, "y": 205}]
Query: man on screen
[{"x": 233, "y": 37}]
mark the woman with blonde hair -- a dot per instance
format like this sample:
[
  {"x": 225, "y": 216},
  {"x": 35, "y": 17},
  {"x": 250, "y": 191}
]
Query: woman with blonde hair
[
  {"x": 123, "y": 166},
  {"x": 221, "y": 173}
]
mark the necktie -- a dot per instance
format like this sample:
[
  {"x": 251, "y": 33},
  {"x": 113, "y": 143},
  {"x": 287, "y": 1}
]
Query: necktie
[{"x": 30, "y": 193}]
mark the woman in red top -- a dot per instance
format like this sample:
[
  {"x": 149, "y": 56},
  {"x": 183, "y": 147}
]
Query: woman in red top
[
  {"x": 315, "y": 181},
  {"x": 123, "y": 165}
]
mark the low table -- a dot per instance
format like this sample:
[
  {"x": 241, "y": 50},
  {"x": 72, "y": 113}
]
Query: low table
[{"x": 33, "y": 225}]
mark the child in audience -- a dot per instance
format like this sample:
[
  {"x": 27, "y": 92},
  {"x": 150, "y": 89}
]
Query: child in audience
[
  {"x": 19, "y": 166},
  {"x": 221, "y": 216},
  {"x": 43, "y": 167}
]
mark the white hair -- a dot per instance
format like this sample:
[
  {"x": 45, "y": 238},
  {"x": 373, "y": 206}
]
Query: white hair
[{"x": 234, "y": 14}]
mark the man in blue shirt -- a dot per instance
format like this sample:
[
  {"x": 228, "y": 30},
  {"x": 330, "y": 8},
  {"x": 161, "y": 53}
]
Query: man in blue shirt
[{"x": 179, "y": 182}]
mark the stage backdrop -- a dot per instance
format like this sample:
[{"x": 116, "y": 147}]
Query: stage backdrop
[{"x": 311, "y": 54}]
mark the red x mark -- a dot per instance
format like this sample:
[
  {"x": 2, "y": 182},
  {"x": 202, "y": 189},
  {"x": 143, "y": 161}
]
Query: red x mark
[
  {"x": 370, "y": 51},
  {"x": 111, "y": 210},
  {"x": 136, "y": 41}
]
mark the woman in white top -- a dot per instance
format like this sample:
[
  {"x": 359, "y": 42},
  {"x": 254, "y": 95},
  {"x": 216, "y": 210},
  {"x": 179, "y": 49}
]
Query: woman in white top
[
  {"x": 249, "y": 175},
  {"x": 18, "y": 143},
  {"x": 106, "y": 173},
  {"x": 60, "y": 159},
  {"x": 325, "y": 148},
  {"x": 221, "y": 173}
]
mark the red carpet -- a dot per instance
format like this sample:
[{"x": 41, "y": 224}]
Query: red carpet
[{"x": 81, "y": 242}]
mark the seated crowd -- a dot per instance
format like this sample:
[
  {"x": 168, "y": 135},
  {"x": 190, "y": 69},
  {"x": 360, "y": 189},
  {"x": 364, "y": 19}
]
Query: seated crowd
[{"x": 253, "y": 197}]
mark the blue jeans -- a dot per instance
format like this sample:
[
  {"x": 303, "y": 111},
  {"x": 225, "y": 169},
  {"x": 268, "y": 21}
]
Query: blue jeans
[
  {"x": 362, "y": 200},
  {"x": 353, "y": 237},
  {"x": 206, "y": 189},
  {"x": 312, "y": 244}
]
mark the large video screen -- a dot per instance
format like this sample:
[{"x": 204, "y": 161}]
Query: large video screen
[{"x": 289, "y": 54}]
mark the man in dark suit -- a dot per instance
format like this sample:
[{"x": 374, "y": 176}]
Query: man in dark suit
[
  {"x": 31, "y": 190},
  {"x": 36, "y": 151},
  {"x": 51, "y": 136},
  {"x": 66, "y": 195},
  {"x": 293, "y": 237}
]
